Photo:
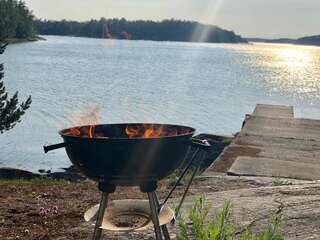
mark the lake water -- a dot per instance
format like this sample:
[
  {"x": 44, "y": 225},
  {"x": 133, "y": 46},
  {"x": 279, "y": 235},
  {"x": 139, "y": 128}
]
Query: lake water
[{"x": 208, "y": 86}]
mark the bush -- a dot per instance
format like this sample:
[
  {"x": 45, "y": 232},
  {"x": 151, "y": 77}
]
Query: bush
[{"x": 221, "y": 228}]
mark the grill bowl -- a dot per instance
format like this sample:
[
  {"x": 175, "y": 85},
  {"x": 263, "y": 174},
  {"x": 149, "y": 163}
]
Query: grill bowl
[{"x": 127, "y": 161}]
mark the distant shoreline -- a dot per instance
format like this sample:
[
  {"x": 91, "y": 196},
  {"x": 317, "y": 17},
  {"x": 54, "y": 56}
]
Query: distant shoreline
[
  {"x": 304, "y": 41},
  {"x": 281, "y": 43},
  {"x": 166, "y": 30},
  {"x": 22, "y": 40},
  {"x": 120, "y": 39}
]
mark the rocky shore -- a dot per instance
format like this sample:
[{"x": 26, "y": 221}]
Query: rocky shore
[
  {"x": 69, "y": 174},
  {"x": 21, "y": 40},
  {"x": 54, "y": 209},
  {"x": 47, "y": 205}
]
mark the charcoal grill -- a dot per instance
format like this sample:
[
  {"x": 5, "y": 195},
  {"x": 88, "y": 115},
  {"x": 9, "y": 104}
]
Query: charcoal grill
[{"x": 108, "y": 154}]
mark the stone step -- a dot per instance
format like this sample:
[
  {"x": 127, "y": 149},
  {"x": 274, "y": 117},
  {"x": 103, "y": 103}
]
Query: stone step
[
  {"x": 285, "y": 143},
  {"x": 296, "y": 128},
  {"x": 266, "y": 110},
  {"x": 258, "y": 166}
]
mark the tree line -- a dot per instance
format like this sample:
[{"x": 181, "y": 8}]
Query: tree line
[
  {"x": 16, "y": 21},
  {"x": 166, "y": 30}
]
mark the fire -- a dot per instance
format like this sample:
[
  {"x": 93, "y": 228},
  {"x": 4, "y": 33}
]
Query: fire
[
  {"x": 86, "y": 122},
  {"x": 85, "y": 131},
  {"x": 88, "y": 116},
  {"x": 74, "y": 131},
  {"x": 149, "y": 131},
  {"x": 91, "y": 131}
]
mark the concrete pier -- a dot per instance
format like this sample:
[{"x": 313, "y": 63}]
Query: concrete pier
[{"x": 273, "y": 143}]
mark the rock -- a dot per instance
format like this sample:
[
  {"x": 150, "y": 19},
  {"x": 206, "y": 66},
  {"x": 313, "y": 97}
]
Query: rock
[
  {"x": 44, "y": 171},
  {"x": 69, "y": 176},
  {"x": 13, "y": 173},
  {"x": 71, "y": 173},
  {"x": 72, "y": 168}
]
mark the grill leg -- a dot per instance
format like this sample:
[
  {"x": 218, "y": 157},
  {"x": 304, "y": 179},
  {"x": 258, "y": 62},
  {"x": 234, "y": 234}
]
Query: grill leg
[
  {"x": 154, "y": 215},
  {"x": 102, "y": 208},
  {"x": 163, "y": 227}
]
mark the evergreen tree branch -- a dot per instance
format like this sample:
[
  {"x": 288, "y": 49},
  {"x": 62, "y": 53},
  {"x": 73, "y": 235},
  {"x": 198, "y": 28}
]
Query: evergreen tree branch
[{"x": 11, "y": 110}]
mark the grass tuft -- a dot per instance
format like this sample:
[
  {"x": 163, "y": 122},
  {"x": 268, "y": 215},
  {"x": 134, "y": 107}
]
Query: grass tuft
[
  {"x": 280, "y": 182},
  {"x": 34, "y": 181}
]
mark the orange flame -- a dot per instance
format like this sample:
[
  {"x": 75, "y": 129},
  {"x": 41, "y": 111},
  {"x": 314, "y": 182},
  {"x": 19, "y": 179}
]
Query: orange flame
[
  {"x": 149, "y": 131},
  {"x": 88, "y": 116},
  {"x": 91, "y": 131},
  {"x": 74, "y": 131}
]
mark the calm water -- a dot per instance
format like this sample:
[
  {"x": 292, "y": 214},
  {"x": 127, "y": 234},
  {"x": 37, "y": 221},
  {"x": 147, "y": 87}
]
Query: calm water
[{"x": 208, "y": 86}]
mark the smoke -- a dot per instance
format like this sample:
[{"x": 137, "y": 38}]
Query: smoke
[{"x": 87, "y": 115}]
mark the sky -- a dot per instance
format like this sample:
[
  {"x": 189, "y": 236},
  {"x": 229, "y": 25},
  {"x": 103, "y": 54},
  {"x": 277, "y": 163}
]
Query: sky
[{"x": 249, "y": 18}]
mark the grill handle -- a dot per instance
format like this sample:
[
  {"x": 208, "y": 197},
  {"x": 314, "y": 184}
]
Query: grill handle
[
  {"x": 48, "y": 148},
  {"x": 202, "y": 144}
]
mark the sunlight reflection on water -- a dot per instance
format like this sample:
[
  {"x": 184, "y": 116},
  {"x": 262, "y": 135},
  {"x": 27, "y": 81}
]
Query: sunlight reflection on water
[
  {"x": 293, "y": 68},
  {"x": 207, "y": 86}
]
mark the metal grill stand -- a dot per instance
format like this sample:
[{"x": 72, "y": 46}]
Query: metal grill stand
[
  {"x": 148, "y": 188},
  {"x": 106, "y": 189}
]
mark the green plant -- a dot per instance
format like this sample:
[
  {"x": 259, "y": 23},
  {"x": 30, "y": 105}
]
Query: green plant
[
  {"x": 272, "y": 231},
  {"x": 172, "y": 178},
  {"x": 221, "y": 227},
  {"x": 227, "y": 140},
  {"x": 280, "y": 182},
  {"x": 10, "y": 109}
]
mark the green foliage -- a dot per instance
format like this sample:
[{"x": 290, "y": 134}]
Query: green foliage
[
  {"x": 221, "y": 228},
  {"x": 166, "y": 30},
  {"x": 227, "y": 140},
  {"x": 280, "y": 182},
  {"x": 10, "y": 109},
  {"x": 40, "y": 181},
  {"x": 271, "y": 233},
  {"x": 16, "y": 21}
]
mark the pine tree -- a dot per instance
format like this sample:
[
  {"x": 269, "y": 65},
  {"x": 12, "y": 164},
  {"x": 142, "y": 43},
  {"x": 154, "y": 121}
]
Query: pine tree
[{"x": 10, "y": 109}]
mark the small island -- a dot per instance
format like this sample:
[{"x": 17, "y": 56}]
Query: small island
[
  {"x": 310, "y": 40},
  {"x": 166, "y": 30}
]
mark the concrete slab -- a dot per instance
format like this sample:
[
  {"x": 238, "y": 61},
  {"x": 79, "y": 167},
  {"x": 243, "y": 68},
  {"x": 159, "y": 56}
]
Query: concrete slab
[
  {"x": 269, "y": 141},
  {"x": 258, "y": 166},
  {"x": 270, "y": 145},
  {"x": 265, "y": 110},
  {"x": 281, "y": 148},
  {"x": 296, "y": 128}
]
